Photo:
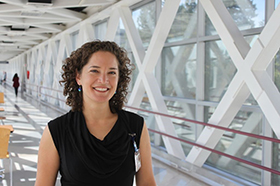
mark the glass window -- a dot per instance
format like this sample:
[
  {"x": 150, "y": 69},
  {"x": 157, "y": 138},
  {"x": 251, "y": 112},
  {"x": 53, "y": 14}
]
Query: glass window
[
  {"x": 100, "y": 30},
  {"x": 277, "y": 3},
  {"x": 241, "y": 146},
  {"x": 247, "y": 14},
  {"x": 277, "y": 70},
  {"x": 151, "y": 122},
  {"x": 179, "y": 71},
  {"x": 179, "y": 109},
  {"x": 42, "y": 71},
  {"x": 275, "y": 179},
  {"x": 65, "y": 54},
  {"x": 121, "y": 38},
  {"x": 46, "y": 52},
  {"x": 135, "y": 71},
  {"x": 184, "y": 129},
  {"x": 145, "y": 19},
  {"x": 57, "y": 43},
  {"x": 50, "y": 77},
  {"x": 185, "y": 23},
  {"x": 74, "y": 38},
  {"x": 219, "y": 70}
]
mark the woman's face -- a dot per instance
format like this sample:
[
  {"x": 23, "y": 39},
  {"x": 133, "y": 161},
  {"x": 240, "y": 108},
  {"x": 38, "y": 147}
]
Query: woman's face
[{"x": 99, "y": 77}]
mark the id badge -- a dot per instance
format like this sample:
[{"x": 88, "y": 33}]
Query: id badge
[{"x": 137, "y": 159}]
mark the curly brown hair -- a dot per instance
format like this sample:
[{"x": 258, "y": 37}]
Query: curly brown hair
[{"x": 79, "y": 58}]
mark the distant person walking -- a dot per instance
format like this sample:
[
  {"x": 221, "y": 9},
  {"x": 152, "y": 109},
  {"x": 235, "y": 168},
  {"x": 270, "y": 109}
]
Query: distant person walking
[{"x": 16, "y": 83}]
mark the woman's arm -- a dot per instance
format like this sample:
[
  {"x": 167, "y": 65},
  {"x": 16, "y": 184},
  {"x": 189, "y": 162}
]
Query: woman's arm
[
  {"x": 48, "y": 161},
  {"x": 145, "y": 176}
]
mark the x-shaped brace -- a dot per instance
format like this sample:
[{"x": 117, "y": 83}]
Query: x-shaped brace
[{"x": 251, "y": 76}]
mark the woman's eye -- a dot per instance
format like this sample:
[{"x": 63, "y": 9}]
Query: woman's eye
[
  {"x": 94, "y": 71},
  {"x": 112, "y": 72}
]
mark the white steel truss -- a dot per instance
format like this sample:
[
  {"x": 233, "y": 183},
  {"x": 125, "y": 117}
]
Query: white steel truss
[{"x": 251, "y": 76}]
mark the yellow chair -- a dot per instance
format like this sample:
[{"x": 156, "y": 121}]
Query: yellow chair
[
  {"x": 2, "y": 109},
  {"x": 4, "y": 154},
  {"x": 2, "y": 97}
]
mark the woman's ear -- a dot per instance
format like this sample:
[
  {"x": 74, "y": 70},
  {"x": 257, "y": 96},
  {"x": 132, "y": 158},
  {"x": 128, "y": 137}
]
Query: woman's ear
[{"x": 78, "y": 78}]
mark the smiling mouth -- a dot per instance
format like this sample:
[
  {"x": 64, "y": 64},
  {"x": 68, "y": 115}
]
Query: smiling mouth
[{"x": 101, "y": 89}]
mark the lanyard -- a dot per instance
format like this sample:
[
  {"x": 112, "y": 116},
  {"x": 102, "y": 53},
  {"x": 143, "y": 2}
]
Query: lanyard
[
  {"x": 137, "y": 158},
  {"x": 134, "y": 142}
]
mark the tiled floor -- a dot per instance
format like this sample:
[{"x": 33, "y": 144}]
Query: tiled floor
[{"x": 29, "y": 119}]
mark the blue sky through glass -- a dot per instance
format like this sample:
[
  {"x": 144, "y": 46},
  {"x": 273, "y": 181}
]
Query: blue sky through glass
[
  {"x": 277, "y": 3},
  {"x": 260, "y": 5}
]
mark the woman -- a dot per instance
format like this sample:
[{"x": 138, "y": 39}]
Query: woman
[
  {"x": 16, "y": 83},
  {"x": 96, "y": 143}
]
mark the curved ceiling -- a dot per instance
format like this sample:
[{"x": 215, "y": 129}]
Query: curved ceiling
[{"x": 26, "y": 23}]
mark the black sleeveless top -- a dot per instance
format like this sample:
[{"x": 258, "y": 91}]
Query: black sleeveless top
[{"x": 88, "y": 161}]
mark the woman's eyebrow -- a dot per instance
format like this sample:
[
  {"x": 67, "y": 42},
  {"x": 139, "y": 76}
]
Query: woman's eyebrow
[
  {"x": 94, "y": 67},
  {"x": 111, "y": 68}
]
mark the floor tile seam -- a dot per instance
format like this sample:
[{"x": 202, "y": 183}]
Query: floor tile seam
[
  {"x": 22, "y": 161},
  {"x": 24, "y": 129},
  {"x": 26, "y": 116},
  {"x": 46, "y": 108}
]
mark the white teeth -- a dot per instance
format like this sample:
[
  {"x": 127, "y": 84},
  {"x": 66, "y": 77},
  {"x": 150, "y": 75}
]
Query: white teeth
[{"x": 101, "y": 89}]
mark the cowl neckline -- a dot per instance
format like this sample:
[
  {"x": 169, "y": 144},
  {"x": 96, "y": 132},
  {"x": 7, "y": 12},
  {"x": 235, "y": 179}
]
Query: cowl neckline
[{"x": 104, "y": 157}]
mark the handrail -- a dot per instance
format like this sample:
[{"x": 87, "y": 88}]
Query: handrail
[
  {"x": 210, "y": 125},
  {"x": 39, "y": 88},
  {"x": 218, "y": 152},
  {"x": 43, "y": 87},
  {"x": 31, "y": 84},
  {"x": 207, "y": 148},
  {"x": 52, "y": 96}
]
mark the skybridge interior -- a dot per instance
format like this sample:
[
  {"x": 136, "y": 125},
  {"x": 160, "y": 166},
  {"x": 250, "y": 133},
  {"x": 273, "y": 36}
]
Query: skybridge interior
[{"x": 206, "y": 80}]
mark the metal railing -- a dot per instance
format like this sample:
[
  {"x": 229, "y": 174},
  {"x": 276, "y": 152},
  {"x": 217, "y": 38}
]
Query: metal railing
[{"x": 210, "y": 149}]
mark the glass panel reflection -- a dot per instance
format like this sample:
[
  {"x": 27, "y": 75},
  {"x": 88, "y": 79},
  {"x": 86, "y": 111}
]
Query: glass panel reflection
[
  {"x": 219, "y": 70},
  {"x": 277, "y": 70},
  {"x": 275, "y": 179},
  {"x": 247, "y": 14},
  {"x": 145, "y": 19},
  {"x": 100, "y": 30},
  {"x": 151, "y": 122},
  {"x": 134, "y": 73},
  {"x": 184, "y": 129},
  {"x": 277, "y": 3},
  {"x": 121, "y": 38},
  {"x": 241, "y": 146},
  {"x": 185, "y": 23},
  {"x": 179, "y": 71},
  {"x": 74, "y": 39}
]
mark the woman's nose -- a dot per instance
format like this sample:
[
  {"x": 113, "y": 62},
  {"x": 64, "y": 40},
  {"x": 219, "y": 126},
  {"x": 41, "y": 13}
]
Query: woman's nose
[{"x": 103, "y": 78}]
